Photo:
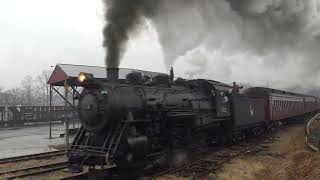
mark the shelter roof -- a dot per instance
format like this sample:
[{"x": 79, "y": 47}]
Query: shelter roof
[{"x": 70, "y": 72}]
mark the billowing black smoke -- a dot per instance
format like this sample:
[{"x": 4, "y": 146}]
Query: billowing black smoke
[{"x": 123, "y": 18}]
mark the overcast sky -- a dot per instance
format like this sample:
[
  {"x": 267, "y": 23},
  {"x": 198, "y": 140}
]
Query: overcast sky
[{"x": 36, "y": 34}]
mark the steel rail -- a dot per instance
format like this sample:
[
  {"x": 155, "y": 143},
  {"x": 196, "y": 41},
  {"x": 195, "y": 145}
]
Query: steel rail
[
  {"x": 33, "y": 156},
  {"x": 76, "y": 176},
  {"x": 32, "y": 171}
]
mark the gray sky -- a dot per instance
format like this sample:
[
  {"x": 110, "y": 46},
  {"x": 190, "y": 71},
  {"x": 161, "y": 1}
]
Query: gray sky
[{"x": 36, "y": 34}]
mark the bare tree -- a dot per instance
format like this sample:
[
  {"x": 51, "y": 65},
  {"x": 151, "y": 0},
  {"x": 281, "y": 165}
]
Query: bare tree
[
  {"x": 43, "y": 78},
  {"x": 13, "y": 97},
  {"x": 2, "y": 101},
  {"x": 27, "y": 85},
  {"x": 33, "y": 91}
]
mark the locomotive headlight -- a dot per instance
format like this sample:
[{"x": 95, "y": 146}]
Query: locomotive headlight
[{"x": 82, "y": 77}]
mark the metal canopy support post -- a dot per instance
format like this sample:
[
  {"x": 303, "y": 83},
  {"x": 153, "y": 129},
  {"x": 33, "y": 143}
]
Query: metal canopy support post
[
  {"x": 50, "y": 112},
  {"x": 66, "y": 90},
  {"x": 73, "y": 103}
]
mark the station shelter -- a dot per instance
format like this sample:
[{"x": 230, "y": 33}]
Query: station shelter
[{"x": 64, "y": 82}]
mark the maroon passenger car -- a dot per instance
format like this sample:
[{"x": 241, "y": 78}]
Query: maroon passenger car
[{"x": 282, "y": 105}]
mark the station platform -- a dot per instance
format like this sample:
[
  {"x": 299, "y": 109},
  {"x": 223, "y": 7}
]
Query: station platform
[{"x": 30, "y": 140}]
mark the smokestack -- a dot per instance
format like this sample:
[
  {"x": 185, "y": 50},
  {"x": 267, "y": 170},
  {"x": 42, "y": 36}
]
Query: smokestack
[
  {"x": 171, "y": 74},
  {"x": 112, "y": 74}
]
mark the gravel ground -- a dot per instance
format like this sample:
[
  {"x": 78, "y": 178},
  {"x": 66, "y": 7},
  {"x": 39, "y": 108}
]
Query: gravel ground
[{"x": 286, "y": 158}]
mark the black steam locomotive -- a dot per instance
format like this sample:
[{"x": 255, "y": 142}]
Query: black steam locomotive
[{"x": 135, "y": 120}]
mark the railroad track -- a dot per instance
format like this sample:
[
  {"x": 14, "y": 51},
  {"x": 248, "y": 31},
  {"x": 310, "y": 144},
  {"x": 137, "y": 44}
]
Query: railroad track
[
  {"x": 33, "y": 156},
  {"x": 210, "y": 162},
  {"x": 77, "y": 176},
  {"x": 33, "y": 171}
]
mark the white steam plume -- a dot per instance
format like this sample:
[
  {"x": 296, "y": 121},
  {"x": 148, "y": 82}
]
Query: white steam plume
[{"x": 245, "y": 40}]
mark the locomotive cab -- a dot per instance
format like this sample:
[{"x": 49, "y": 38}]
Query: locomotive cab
[{"x": 219, "y": 93}]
